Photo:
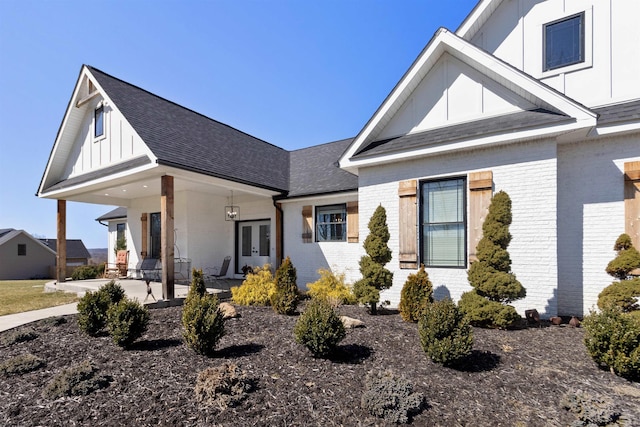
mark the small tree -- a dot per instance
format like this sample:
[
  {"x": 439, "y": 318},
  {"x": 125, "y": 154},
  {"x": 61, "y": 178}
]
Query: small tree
[
  {"x": 416, "y": 293},
  {"x": 202, "y": 320},
  {"x": 285, "y": 298},
  {"x": 375, "y": 277},
  {"x": 628, "y": 258},
  {"x": 491, "y": 275}
]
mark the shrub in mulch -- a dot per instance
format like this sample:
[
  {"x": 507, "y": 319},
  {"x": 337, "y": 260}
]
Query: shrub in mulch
[
  {"x": 223, "y": 386},
  {"x": 93, "y": 307},
  {"x": 78, "y": 380},
  {"x": 332, "y": 287},
  {"x": 202, "y": 319},
  {"x": 591, "y": 410},
  {"x": 445, "y": 334},
  {"x": 319, "y": 328},
  {"x": 390, "y": 397},
  {"x": 19, "y": 336},
  {"x": 256, "y": 289},
  {"x": 285, "y": 299},
  {"x": 416, "y": 293},
  {"x": 20, "y": 365},
  {"x": 127, "y": 321}
]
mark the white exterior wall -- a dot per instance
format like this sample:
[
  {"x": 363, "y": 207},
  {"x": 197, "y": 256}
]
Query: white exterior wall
[
  {"x": 610, "y": 71},
  {"x": 308, "y": 258},
  {"x": 527, "y": 172},
  {"x": 112, "y": 237},
  {"x": 119, "y": 142},
  {"x": 590, "y": 216},
  {"x": 201, "y": 234}
]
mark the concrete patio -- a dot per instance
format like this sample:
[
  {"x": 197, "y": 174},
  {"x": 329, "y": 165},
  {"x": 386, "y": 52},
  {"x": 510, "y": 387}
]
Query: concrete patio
[{"x": 133, "y": 288}]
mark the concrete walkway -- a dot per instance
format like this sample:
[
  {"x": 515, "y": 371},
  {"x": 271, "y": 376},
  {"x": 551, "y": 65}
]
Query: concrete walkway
[{"x": 134, "y": 289}]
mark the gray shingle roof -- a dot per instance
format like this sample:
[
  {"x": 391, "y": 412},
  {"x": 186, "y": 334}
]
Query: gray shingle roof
[
  {"x": 314, "y": 170},
  {"x": 618, "y": 113},
  {"x": 75, "y": 247},
  {"x": 117, "y": 213},
  {"x": 182, "y": 138},
  {"x": 491, "y": 126}
]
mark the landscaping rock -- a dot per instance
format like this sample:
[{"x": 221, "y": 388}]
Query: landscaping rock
[
  {"x": 228, "y": 311},
  {"x": 350, "y": 322}
]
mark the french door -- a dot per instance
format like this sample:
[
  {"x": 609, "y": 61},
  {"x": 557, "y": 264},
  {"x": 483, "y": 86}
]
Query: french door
[{"x": 253, "y": 243}]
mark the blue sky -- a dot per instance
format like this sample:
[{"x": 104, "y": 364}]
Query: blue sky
[{"x": 293, "y": 73}]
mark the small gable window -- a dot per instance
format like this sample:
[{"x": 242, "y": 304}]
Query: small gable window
[
  {"x": 98, "y": 122},
  {"x": 331, "y": 223},
  {"x": 443, "y": 230},
  {"x": 564, "y": 42},
  {"x": 22, "y": 249}
]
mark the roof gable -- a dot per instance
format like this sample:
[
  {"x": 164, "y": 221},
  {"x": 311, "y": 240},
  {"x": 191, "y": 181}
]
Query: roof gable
[
  {"x": 449, "y": 63},
  {"x": 182, "y": 138},
  {"x": 9, "y": 234}
]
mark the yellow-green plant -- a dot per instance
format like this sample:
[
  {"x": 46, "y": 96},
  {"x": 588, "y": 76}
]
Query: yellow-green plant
[
  {"x": 256, "y": 289},
  {"x": 332, "y": 287}
]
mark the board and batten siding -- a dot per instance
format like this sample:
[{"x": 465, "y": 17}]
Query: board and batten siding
[
  {"x": 119, "y": 143},
  {"x": 534, "y": 244},
  {"x": 514, "y": 33}
]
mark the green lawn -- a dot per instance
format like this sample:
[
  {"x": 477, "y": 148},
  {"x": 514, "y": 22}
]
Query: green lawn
[{"x": 17, "y": 296}]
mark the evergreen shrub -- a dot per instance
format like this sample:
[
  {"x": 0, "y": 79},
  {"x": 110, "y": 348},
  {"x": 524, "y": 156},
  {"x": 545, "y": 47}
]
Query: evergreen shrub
[
  {"x": 78, "y": 380},
  {"x": 285, "y": 299},
  {"x": 127, "y": 321},
  {"x": 114, "y": 291},
  {"x": 613, "y": 340},
  {"x": 92, "y": 312},
  {"x": 256, "y": 289},
  {"x": 390, "y": 397},
  {"x": 375, "y": 277},
  {"x": 202, "y": 320},
  {"x": 445, "y": 334},
  {"x": 624, "y": 294},
  {"x": 485, "y": 313},
  {"x": 416, "y": 293},
  {"x": 627, "y": 258},
  {"x": 18, "y": 336},
  {"x": 84, "y": 272},
  {"x": 319, "y": 328},
  {"x": 19, "y": 365},
  {"x": 332, "y": 287}
]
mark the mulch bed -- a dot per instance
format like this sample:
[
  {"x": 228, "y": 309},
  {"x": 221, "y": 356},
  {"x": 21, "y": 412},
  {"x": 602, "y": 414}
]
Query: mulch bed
[{"x": 513, "y": 378}]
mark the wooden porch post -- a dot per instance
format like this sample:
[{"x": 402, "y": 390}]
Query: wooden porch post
[
  {"x": 166, "y": 238},
  {"x": 61, "y": 250},
  {"x": 143, "y": 245}
]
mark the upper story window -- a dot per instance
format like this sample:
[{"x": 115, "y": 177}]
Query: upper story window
[
  {"x": 564, "y": 42},
  {"x": 331, "y": 223},
  {"x": 443, "y": 230},
  {"x": 22, "y": 249},
  {"x": 98, "y": 122}
]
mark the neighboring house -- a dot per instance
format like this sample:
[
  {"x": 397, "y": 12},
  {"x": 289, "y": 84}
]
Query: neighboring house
[
  {"x": 540, "y": 99},
  {"x": 22, "y": 256},
  {"x": 77, "y": 253}
]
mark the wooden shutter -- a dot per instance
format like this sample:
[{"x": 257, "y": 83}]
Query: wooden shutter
[
  {"x": 352, "y": 222},
  {"x": 632, "y": 201},
  {"x": 408, "y": 222},
  {"x": 307, "y": 224},
  {"x": 143, "y": 225},
  {"x": 480, "y": 192}
]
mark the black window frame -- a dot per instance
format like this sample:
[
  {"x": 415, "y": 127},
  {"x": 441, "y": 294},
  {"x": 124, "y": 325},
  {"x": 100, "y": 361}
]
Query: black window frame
[
  {"x": 424, "y": 259},
  {"x": 545, "y": 44},
  {"x": 98, "y": 122},
  {"x": 333, "y": 225}
]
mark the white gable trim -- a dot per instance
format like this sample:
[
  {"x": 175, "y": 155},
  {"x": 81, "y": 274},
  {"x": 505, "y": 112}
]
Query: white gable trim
[
  {"x": 444, "y": 41},
  {"x": 62, "y": 146},
  {"x": 477, "y": 18}
]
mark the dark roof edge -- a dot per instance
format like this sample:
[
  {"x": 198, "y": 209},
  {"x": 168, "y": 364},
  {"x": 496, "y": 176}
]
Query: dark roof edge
[
  {"x": 215, "y": 175},
  {"x": 183, "y": 107},
  {"x": 325, "y": 193}
]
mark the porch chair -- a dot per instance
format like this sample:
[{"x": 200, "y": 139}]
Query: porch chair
[
  {"x": 119, "y": 269},
  {"x": 215, "y": 274}
]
